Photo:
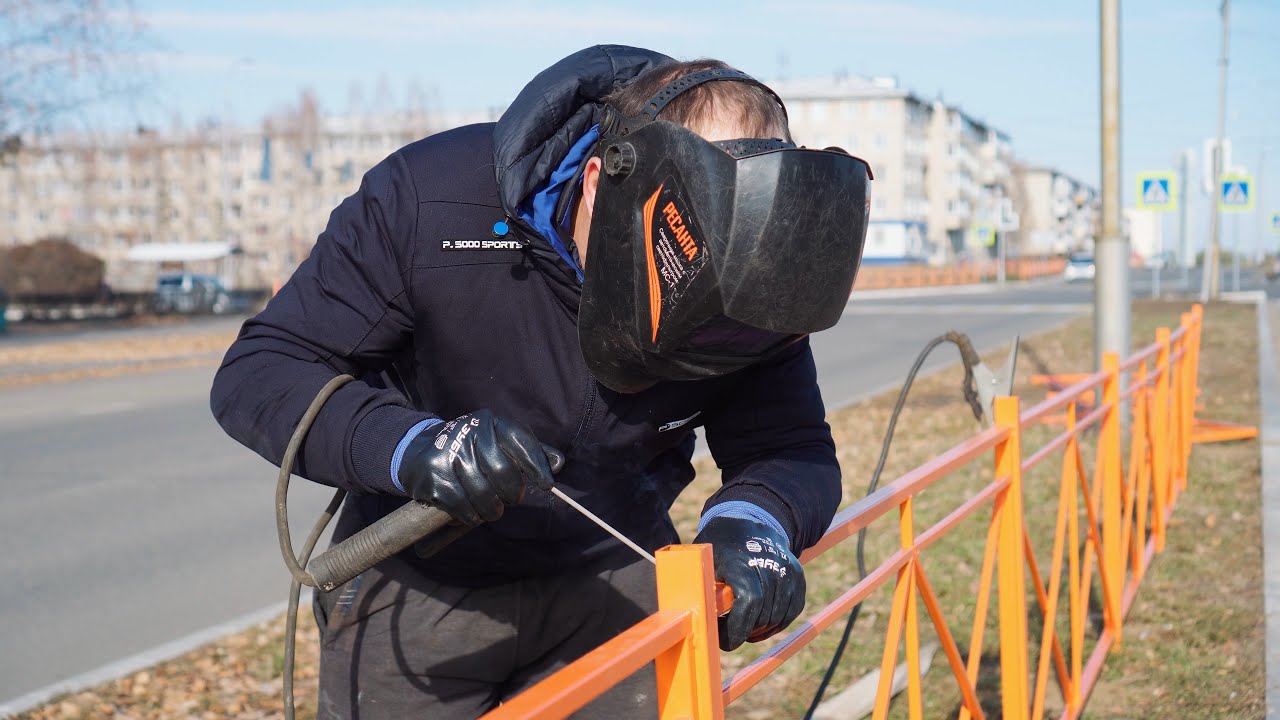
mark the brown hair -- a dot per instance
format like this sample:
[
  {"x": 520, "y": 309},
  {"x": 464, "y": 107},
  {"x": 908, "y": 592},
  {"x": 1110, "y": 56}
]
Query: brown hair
[{"x": 751, "y": 108}]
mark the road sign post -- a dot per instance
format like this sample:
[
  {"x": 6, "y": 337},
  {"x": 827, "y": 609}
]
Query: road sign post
[{"x": 1158, "y": 192}]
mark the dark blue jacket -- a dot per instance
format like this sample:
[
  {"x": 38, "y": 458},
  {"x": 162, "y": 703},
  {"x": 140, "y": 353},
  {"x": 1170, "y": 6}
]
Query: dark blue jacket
[{"x": 439, "y": 333}]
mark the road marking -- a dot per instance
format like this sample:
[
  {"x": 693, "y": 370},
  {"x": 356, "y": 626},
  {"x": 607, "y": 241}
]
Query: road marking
[
  {"x": 106, "y": 409},
  {"x": 969, "y": 309}
]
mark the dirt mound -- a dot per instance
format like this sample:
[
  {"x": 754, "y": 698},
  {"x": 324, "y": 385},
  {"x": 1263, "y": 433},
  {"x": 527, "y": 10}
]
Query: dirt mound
[{"x": 52, "y": 268}]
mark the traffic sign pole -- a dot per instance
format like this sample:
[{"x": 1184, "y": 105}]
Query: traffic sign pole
[
  {"x": 1209, "y": 289},
  {"x": 1158, "y": 267},
  {"x": 1111, "y": 251},
  {"x": 1001, "y": 251}
]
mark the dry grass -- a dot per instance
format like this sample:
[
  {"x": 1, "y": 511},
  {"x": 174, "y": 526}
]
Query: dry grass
[
  {"x": 62, "y": 361},
  {"x": 1193, "y": 641}
]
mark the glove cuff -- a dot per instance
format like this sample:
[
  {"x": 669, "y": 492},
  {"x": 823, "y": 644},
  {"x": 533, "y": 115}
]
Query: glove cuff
[
  {"x": 744, "y": 511},
  {"x": 374, "y": 442}
]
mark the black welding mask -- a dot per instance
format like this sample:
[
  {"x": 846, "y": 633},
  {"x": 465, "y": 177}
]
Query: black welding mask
[{"x": 706, "y": 257}]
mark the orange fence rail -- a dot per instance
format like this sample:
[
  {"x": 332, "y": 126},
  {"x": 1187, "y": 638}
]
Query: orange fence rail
[
  {"x": 1126, "y": 506},
  {"x": 873, "y": 277}
]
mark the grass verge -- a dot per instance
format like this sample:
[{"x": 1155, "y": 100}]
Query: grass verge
[{"x": 1193, "y": 642}]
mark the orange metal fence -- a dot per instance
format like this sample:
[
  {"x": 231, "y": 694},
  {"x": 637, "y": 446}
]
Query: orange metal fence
[
  {"x": 872, "y": 277},
  {"x": 1126, "y": 506}
]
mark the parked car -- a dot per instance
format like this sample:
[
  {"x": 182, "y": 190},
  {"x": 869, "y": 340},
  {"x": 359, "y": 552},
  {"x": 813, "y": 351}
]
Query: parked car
[
  {"x": 1079, "y": 268},
  {"x": 189, "y": 294}
]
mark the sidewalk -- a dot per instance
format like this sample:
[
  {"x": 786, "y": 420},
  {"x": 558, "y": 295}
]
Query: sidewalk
[{"x": 1269, "y": 398}]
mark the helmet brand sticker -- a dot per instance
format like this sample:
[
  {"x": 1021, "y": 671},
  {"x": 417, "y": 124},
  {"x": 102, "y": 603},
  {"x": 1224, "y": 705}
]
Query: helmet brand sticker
[{"x": 674, "y": 248}]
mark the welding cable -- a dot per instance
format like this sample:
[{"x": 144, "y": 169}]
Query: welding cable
[
  {"x": 298, "y": 564},
  {"x": 971, "y": 360}
]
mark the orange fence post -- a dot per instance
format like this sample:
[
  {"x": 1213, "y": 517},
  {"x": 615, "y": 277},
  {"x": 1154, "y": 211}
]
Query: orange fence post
[
  {"x": 689, "y": 673},
  {"x": 1009, "y": 565},
  {"x": 1179, "y": 439},
  {"x": 1193, "y": 382},
  {"x": 1161, "y": 447},
  {"x": 1078, "y": 601},
  {"x": 1187, "y": 397},
  {"x": 1111, "y": 475}
]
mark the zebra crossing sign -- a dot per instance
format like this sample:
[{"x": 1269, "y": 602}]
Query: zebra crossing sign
[
  {"x": 1236, "y": 193},
  {"x": 1157, "y": 190}
]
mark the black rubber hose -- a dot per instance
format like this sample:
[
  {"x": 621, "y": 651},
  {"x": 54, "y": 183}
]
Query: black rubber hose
[
  {"x": 970, "y": 359},
  {"x": 296, "y": 565}
]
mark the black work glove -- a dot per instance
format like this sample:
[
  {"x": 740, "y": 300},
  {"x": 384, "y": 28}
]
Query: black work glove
[
  {"x": 767, "y": 580},
  {"x": 475, "y": 466}
]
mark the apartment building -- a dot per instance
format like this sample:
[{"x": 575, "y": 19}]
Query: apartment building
[
  {"x": 1057, "y": 213},
  {"x": 938, "y": 170},
  {"x": 251, "y": 201},
  {"x": 246, "y": 204},
  {"x": 970, "y": 174},
  {"x": 888, "y": 127}
]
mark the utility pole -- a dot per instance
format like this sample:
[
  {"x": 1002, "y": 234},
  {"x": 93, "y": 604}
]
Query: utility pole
[
  {"x": 1111, "y": 252},
  {"x": 1186, "y": 253},
  {"x": 1209, "y": 286}
]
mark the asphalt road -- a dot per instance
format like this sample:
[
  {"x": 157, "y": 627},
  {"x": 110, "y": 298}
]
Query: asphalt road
[{"x": 131, "y": 520}]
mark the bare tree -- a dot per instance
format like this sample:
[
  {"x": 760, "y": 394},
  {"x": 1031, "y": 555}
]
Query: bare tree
[{"x": 59, "y": 56}]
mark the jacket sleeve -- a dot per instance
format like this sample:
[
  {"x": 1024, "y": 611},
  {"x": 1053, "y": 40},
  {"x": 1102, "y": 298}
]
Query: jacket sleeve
[
  {"x": 346, "y": 309},
  {"x": 774, "y": 447}
]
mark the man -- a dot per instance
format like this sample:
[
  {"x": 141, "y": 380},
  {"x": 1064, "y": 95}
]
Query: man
[{"x": 583, "y": 284}]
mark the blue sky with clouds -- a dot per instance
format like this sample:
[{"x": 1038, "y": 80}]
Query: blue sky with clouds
[{"x": 1029, "y": 68}]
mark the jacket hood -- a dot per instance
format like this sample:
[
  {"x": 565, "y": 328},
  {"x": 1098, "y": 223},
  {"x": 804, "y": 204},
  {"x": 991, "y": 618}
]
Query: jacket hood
[{"x": 554, "y": 110}]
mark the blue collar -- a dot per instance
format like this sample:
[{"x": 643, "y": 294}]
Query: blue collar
[{"x": 539, "y": 210}]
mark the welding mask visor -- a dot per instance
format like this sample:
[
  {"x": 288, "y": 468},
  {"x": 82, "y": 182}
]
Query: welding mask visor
[{"x": 708, "y": 257}]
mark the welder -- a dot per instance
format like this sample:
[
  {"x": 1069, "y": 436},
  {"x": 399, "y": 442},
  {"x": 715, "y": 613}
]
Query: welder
[{"x": 634, "y": 251}]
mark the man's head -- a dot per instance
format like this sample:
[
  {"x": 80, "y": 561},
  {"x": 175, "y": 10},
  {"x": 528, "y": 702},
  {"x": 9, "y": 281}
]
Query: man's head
[
  {"x": 717, "y": 242},
  {"x": 714, "y": 110}
]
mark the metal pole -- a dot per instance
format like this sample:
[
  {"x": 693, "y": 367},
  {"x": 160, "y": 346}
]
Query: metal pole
[
  {"x": 1185, "y": 251},
  {"x": 226, "y": 147},
  {"x": 1111, "y": 255},
  {"x": 1000, "y": 272},
  {"x": 1211, "y": 275},
  {"x": 1158, "y": 266},
  {"x": 1258, "y": 250},
  {"x": 1236, "y": 248}
]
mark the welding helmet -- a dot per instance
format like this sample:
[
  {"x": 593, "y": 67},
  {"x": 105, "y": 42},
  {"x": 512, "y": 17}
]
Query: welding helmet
[{"x": 707, "y": 257}]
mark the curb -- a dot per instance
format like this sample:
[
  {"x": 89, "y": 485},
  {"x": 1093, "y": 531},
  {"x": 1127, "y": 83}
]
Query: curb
[
  {"x": 143, "y": 660},
  {"x": 1269, "y": 399}
]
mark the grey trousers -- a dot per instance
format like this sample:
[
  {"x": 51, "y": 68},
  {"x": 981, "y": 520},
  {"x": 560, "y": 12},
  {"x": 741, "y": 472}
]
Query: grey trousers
[{"x": 394, "y": 644}]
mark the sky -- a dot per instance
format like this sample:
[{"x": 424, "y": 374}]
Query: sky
[{"x": 1027, "y": 67}]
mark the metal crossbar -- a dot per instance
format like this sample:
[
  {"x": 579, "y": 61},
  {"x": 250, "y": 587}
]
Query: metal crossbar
[{"x": 1124, "y": 506}]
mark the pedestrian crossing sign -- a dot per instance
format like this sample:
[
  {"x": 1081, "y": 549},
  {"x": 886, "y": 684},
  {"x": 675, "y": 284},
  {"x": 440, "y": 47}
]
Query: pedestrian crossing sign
[
  {"x": 1274, "y": 223},
  {"x": 1236, "y": 193},
  {"x": 1157, "y": 191},
  {"x": 984, "y": 235}
]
